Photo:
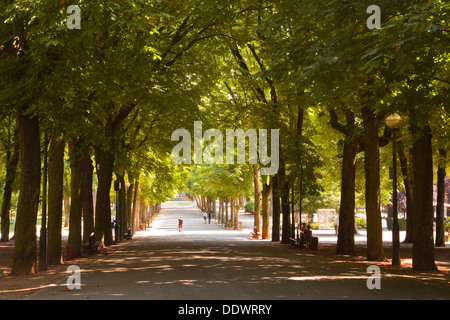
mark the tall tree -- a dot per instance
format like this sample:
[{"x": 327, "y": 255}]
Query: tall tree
[
  {"x": 11, "y": 145},
  {"x": 55, "y": 199},
  {"x": 24, "y": 257}
]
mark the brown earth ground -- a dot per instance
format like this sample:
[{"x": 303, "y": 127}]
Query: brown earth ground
[{"x": 19, "y": 287}]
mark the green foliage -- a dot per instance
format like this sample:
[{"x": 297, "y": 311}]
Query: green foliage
[
  {"x": 221, "y": 181},
  {"x": 249, "y": 207},
  {"x": 361, "y": 223},
  {"x": 137, "y": 70}
]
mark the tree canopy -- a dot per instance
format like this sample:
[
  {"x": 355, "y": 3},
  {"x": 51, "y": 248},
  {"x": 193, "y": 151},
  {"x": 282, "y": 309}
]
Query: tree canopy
[{"x": 112, "y": 90}]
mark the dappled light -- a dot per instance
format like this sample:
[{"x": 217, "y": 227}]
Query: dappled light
[
  {"x": 208, "y": 260},
  {"x": 189, "y": 149}
]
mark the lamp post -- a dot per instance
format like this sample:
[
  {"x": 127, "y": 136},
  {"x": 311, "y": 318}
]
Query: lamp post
[{"x": 393, "y": 122}]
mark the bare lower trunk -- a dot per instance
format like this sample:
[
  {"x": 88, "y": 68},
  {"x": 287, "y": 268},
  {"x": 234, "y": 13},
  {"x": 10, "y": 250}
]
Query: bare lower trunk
[
  {"x": 73, "y": 249},
  {"x": 346, "y": 239},
  {"x": 24, "y": 257},
  {"x": 12, "y": 159},
  {"x": 267, "y": 189},
  {"x": 375, "y": 250},
  {"x": 409, "y": 196},
  {"x": 423, "y": 247},
  {"x": 87, "y": 197},
  {"x": 105, "y": 164},
  {"x": 55, "y": 200},
  {"x": 257, "y": 198},
  {"x": 440, "y": 200},
  {"x": 276, "y": 208}
]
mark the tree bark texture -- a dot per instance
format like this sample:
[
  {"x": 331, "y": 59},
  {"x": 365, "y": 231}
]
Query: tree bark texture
[
  {"x": 76, "y": 164},
  {"x": 105, "y": 165},
  {"x": 346, "y": 239},
  {"x": 284, "y": 187},
  {"x": 24, "y": 257},
  {"x": 257, "y": 198},
  {"x": 407, "y": 181},
  {"x": 276, "y": 208},
  {"x": 12, "y": 160},
  {"x": 87, "y": 196},
  {"x": 440, "y": 200},
  {"x": 375, "y": 250},
  {"x": 267, "y": 189},
  {"x": 423, "y": 246},
  {"x": 55, "y": 200}
]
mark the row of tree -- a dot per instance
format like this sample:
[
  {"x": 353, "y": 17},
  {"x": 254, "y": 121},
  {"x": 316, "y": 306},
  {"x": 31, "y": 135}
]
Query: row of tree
[
  {"x": 111, "y": 91},
  {"x": 320, "y": 75},
  {"x": 114, "y": 91}
]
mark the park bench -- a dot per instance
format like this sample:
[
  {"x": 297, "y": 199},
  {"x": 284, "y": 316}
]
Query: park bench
[
  {"x": 128, "y": 235},
  {"x": 308, "y": 241},
  {"x": 255, "y": 233},
  {"x": 92, "y": 246},
  {"x": 295, "y": 242}
]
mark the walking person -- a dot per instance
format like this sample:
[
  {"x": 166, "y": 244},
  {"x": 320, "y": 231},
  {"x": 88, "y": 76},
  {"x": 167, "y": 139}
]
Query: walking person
[
  {"x": 180, "y": 224},
  {"x": 336, "y": 225},
  {"x": 204, "y": 216}
]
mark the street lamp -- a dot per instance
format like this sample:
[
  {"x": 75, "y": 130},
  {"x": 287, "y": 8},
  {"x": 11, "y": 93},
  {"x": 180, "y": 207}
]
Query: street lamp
[{"x": 393, "y": 122}]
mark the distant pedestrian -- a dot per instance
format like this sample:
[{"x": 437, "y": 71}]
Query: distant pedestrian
[
  {"x": 209, "y": 218},
  {"x": 180, "y": 224},
  {"x": 204, "y": 216},
  {"x": 336, "y": 225}
]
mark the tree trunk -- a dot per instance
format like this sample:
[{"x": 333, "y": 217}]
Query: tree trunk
[
  {"x": 66, "y": 200},
  {"x": 284, "y": 188},
  {"x": 219, "y": 217},
  {"x": 123, "y": 225},
  {"x": 236, "y": 213},
  {"x": 276, "y": 208},
  {"x": 226, "y": 210},
  {"x": 24, "y": 257},
  {"x": 142, "y": 213},
  {"x": 440, "y": 200},
  {"x": 346, "y": 231},
  {"x": 55, "y": 200},
  {"x": 257, "y": 198},
  {"x": 129, "y": 206},
  {"x": 267, "y": 189},
  {"x": 76, "y": 164},
  {"x": 409, "y": 195},
  {"x": 135, "y": 209},
  {"x": 87, "y": 197},
  {"x": 375, "y": 250},
  {"x": 346, "y": 238},
  {"x": 105, "y": 165},
  {"x": 232, "y": 204},
  {"x": 12, "y": 159},
  {"x": 423, "y": 247}
]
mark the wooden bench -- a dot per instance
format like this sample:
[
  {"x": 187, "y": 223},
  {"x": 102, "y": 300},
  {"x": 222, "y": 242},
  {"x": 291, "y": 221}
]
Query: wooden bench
[
  {"x": 92, "y": 246},
  {"x": 128, "y": 235},
  {"x": 256, "y": 235},
  {"x": 295, "y": 242},
  {"x": 311, "y": 243}
]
